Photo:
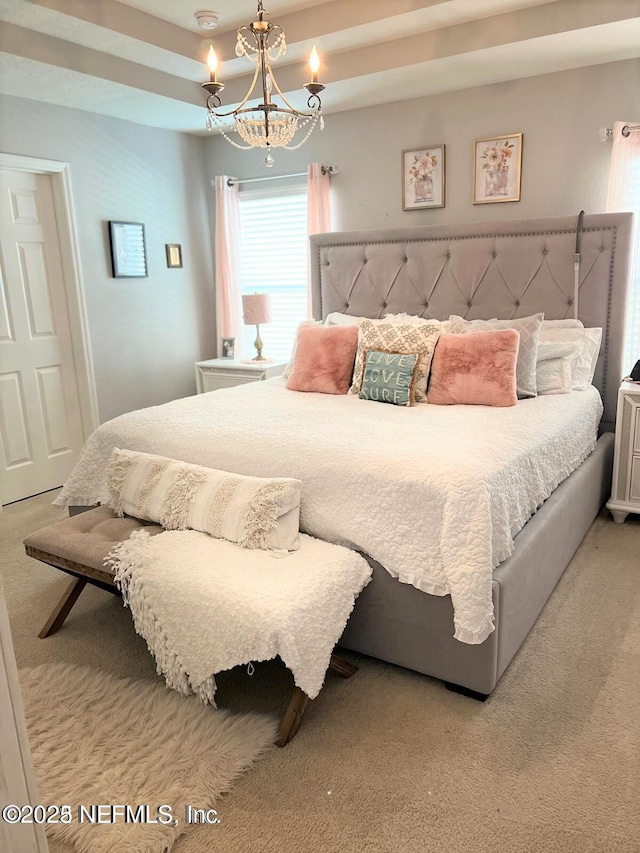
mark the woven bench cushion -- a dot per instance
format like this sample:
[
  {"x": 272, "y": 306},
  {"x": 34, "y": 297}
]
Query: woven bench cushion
[{"x": 88, "y": 537}]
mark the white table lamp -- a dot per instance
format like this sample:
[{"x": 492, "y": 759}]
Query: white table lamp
[{"x": 256, "y": 309}]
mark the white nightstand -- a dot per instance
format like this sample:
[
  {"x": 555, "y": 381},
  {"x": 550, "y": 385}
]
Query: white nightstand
[
  {"x": 625, "y": 492},
  {"x": 219, "y": 373}
]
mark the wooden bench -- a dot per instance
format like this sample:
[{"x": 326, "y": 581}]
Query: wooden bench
[{"x": 78, "y": 545}]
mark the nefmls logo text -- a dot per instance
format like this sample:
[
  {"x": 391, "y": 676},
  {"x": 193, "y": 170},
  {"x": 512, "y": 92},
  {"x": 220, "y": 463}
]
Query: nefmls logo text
[{"x": 120, "y": 813}]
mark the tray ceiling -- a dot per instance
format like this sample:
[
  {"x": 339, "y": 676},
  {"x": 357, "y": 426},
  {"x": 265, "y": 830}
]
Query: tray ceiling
[{"x": 143, "y": 60}]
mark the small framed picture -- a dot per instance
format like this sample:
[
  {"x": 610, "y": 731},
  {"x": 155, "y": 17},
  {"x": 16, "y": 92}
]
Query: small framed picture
[
  {"x": 174, "y": 255},
  {"x": 497, "y": 162},
  {"x": 128, "y": 250},
  {"x": 423, "y": 175},
  {"x": 228, "y": 348}
]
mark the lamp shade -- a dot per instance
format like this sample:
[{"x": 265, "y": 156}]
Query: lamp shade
[{"x": 256, "y": 309}]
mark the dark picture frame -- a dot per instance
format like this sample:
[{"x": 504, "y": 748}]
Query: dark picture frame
[
  {"x": 174, "y": 255},
  {"x": 128, "y": 249}
]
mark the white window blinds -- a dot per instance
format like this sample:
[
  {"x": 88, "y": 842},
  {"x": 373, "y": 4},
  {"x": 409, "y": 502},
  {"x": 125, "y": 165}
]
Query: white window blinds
[{"x": 273, "y": 260}]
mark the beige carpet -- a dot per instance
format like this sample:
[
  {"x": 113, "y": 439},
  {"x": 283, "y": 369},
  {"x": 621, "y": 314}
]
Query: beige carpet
[{"x": 390, "y": 761}]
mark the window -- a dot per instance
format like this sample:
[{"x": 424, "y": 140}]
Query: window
[{"x": 273, "y": 259}]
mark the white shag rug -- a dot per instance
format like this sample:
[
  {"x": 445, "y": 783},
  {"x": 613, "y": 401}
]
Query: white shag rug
[{"x": 97, "y": 739}]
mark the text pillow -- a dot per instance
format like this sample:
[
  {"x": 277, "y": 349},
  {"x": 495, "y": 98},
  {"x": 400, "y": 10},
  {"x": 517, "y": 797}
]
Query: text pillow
[
  {"x": 252, "y": 511},
  {"x": 529, "y": 330},
  {"x": 324, "y": 359},
  {"x": 400, "y": 338},
  {"x": 389, "y": 377},
  {"x": 475, "y": 369}
]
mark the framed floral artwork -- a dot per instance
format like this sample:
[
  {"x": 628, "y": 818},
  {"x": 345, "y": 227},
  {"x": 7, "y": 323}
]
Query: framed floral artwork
[
  {"x": 497, "y": 161},
  {"x": 423, "y": 177}
]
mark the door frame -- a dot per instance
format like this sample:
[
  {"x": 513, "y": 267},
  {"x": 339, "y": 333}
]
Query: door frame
[
  {"x": 72, "y": 275},
  {"x": 17, "y": 779}
]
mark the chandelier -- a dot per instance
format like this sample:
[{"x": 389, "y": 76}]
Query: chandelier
[{"x": 267, "y": 124}]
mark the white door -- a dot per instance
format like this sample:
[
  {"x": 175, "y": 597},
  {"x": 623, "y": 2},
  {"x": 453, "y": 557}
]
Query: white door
[{"x": 40, "y": 418}]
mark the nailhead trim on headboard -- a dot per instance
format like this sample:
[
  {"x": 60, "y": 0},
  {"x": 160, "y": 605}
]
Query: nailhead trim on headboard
[{"x": 461, "y": 280}]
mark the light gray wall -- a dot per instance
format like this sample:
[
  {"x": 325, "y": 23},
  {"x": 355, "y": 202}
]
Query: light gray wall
[
  {"x": 565, "y": 166},
  {"x": 145, "y": 333}
]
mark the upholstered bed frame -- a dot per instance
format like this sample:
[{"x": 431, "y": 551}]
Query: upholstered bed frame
[{"x": 504, "y": 270}]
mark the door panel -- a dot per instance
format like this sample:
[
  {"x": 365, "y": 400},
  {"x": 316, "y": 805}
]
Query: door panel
[
  {"x": 13, "y": 422},
  {"x": 52, "y": 404},
  {"x": 40, "y": 419},
  {"x": 35, "y": 284},
  {"x": 6, "y": 325}
]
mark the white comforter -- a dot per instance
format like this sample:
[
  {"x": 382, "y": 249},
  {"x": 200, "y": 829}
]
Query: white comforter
[{"x": 434, "y": 493}]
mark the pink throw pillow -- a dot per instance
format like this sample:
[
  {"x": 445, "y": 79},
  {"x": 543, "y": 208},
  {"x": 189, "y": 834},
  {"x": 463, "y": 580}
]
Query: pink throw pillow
[
  {"x": 478, "y": 368},
  {"x": 324, "y": 359}
]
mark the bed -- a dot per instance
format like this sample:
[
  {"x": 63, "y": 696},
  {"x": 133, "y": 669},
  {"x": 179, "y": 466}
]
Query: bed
[{"x": 505, "y": 270}]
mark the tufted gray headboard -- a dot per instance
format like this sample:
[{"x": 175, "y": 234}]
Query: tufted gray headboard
[{"x": 496, "y": 269}]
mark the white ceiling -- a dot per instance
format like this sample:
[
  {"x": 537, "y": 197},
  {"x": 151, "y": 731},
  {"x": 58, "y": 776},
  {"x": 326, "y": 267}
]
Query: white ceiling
[{"x": 142, "y": 60}]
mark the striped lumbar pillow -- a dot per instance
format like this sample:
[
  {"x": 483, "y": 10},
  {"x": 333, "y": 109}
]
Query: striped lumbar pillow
[{"x": 252, "y": 511}]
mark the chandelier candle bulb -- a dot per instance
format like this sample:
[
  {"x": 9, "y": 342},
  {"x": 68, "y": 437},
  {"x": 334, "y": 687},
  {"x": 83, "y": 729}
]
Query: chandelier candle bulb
[
  {"x": 212, "y": 62},
  {"x": 314, "y": 64}
]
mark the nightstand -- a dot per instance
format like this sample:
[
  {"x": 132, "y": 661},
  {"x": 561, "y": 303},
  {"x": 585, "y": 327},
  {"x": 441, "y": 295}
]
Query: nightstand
[
  {"x": 219, "y": 373},
  {"x": 625, "y": 492}
]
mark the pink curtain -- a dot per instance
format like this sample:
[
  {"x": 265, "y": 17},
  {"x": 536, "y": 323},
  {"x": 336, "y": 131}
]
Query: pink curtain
[
  {"x": 318, "y": 211},
  {"x": 624, "y": 194},
  {"x": 228, "y": 303}
]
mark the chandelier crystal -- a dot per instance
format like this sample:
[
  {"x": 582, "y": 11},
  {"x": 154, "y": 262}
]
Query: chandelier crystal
[{"x": 267, "y": 124}]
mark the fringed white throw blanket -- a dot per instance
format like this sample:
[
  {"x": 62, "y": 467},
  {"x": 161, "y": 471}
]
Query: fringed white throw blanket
[{"x": 205, "y": 605}]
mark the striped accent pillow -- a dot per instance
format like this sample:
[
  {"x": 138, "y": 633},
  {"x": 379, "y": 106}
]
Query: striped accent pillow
[{"x": 252, "y": 511}]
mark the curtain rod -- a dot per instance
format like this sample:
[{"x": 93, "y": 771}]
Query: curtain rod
[
  {"x": 607, "y": 132},
  {"x": 326, "y": 170}
]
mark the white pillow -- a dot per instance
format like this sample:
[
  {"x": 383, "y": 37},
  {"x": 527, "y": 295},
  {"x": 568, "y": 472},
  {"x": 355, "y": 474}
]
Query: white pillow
[
  {"x": 252, "y": 511},
  {"x": 562, "y": 324},
  {"x": 586, "y": 365},
  {"x": 287, "y": 371},
  {"x": 338, "y": 319},
  {"x": 561, "y": 348},
  {"x": 414, "y": 320},
  {"x": 587, "y": 342},
  {"x": 553, "y": 376}
]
